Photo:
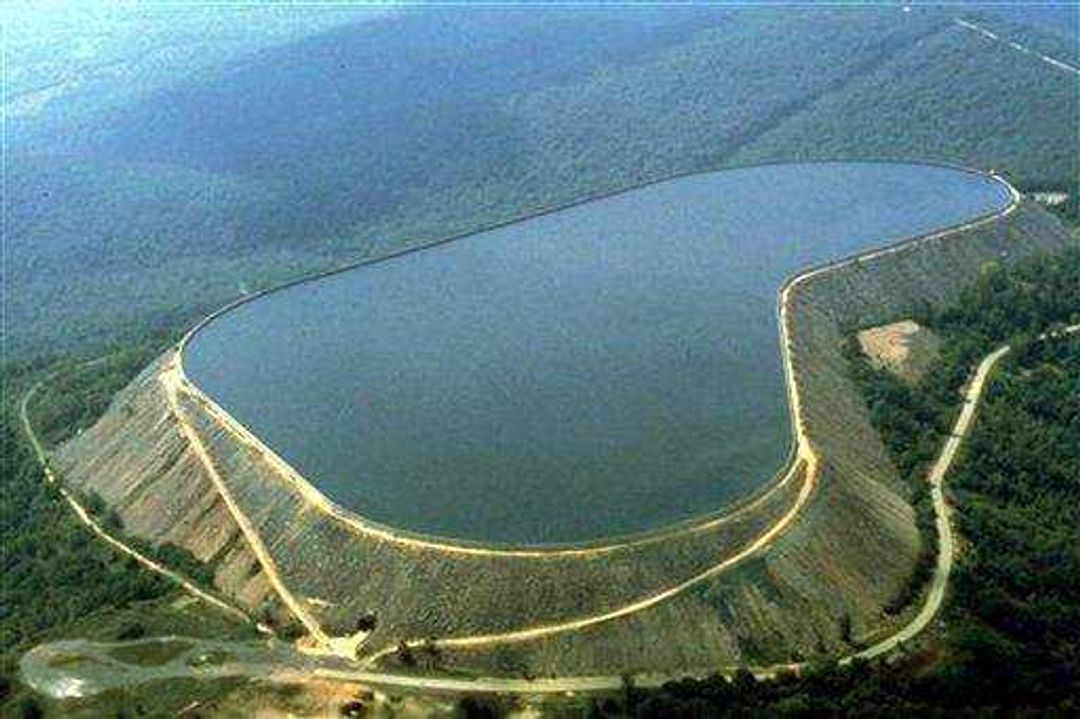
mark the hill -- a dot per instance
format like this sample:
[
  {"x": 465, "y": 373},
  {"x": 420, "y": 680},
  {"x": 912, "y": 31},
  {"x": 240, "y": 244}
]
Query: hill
[{"x": 168, "y": 183}]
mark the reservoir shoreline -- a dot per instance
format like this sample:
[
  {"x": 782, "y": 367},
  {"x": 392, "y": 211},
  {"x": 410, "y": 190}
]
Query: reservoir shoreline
[{"x": 699, "y": 520}]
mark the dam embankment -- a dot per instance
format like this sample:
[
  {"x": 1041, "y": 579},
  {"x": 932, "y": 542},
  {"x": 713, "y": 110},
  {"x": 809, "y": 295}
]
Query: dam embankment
[
  {"x": 849, "y": 551},
  {"x": 596, "y": 371}
]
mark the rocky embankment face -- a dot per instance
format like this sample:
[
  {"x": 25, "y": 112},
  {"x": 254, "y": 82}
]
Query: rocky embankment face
[
  {"x": 822, "y": 585},
  {"x": 137, "y": 460}
]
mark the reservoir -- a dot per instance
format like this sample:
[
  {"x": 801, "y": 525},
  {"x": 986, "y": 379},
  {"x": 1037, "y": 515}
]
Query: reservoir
[{"x": 600, "y": 370}]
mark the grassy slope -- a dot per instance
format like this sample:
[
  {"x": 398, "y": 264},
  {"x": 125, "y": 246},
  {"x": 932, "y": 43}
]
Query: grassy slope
[{"x": 329, "y": 147}]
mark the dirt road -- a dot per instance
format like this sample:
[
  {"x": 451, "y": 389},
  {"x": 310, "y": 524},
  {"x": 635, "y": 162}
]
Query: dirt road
[
  {"x": 97, "y": 670},
  {"x": 943, "y": 569},
  {"x": 990, "y": 35},
  {"x": 84, "y": 516},
  {"x": 804, "y": 455}
]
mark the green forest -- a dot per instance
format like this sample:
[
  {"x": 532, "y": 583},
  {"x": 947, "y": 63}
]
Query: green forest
[{"x": 142, "y": 204}]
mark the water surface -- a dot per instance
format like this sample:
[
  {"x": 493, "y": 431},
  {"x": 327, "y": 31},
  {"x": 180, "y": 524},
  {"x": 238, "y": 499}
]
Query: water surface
[{"x": 604, "y": 369}]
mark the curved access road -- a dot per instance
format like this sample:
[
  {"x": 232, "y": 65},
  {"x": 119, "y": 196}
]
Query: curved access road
[
  {"x": 942, "y": 514},
  {"x": 174, "y": 381},
  {"x": 939, "y": 583},
  {"x": 88, "y": 520},
  {"x": 278, "y": 663}
]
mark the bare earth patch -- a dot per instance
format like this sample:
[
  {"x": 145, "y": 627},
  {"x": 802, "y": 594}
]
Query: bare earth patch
[{"x": 904, "y": 348}]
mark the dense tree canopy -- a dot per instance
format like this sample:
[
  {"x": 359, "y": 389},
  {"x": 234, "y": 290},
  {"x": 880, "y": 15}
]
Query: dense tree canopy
[{"x": 140, "y": 201}]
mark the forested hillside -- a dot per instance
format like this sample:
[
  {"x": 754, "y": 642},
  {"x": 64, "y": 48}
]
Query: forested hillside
[{"x": 153, "y": 187}]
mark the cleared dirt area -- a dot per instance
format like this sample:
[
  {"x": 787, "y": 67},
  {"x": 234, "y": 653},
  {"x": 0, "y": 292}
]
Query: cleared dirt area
[
  {"x": 1050, "y": 199},
  {"x": 904, "y": 348}
]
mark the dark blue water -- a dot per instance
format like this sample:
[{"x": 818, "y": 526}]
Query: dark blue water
[{"x": 604, "y": 369}]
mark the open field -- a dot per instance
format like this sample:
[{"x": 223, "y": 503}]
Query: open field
[{"x": 904, "y": 348}]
